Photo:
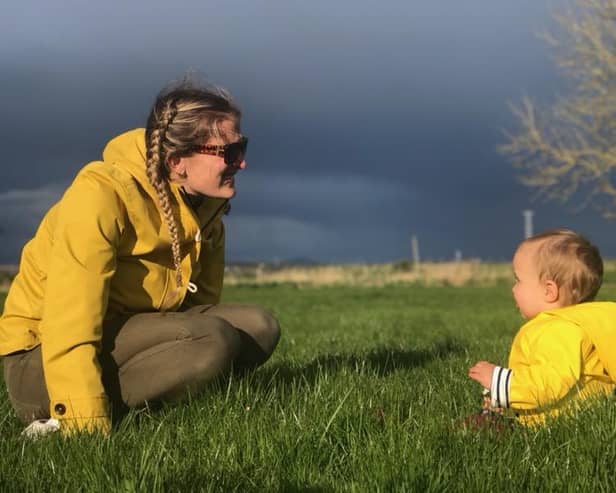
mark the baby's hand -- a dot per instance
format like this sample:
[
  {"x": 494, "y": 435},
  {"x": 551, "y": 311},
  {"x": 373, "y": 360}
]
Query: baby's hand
[
  {"x": 482, "y": 373},
  {"x": 487, "y": 406}
]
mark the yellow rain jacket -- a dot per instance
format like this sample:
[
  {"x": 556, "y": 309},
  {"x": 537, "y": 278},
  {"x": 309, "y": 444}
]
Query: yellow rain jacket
[
  {"x": 101, "y": 252},
  {"x": 558, "y": 359}
]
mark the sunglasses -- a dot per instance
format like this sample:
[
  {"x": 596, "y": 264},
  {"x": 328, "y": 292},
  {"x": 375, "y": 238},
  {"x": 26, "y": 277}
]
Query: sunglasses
[{"x": 233, "y": 153}]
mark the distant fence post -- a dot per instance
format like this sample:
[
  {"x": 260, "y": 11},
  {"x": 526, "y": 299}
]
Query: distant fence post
[
  {"x": 415, "y": 252},
  {"x": 528, "y": 223}
]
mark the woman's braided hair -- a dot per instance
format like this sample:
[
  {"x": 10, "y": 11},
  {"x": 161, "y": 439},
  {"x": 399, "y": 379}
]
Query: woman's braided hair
[{"x": 184, "y": 115}]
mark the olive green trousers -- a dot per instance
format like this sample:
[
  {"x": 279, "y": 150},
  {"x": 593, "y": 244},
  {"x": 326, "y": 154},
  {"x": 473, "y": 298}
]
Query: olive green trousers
[{"x": 154, "y": 357}]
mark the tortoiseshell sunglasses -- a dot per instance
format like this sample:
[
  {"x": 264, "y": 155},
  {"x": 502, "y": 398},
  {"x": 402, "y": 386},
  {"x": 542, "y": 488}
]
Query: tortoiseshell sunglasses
[{"x": 233, "y": 153}]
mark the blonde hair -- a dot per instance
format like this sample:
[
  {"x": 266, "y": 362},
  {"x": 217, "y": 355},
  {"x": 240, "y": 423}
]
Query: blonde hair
[
  {"x": 571, "y": 261},
  {"x": 185, "y": 115}
]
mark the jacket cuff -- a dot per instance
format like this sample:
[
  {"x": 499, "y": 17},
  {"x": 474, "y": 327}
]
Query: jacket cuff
[
  {"x": 85, "y": 408},
  {"x": 499, "y": 390}
]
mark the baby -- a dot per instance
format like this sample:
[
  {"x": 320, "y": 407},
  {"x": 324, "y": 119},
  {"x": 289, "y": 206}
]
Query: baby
[{"x": 566, "y": 351}]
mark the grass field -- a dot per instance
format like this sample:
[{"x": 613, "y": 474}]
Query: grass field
[{"x": 363, "y": 394}]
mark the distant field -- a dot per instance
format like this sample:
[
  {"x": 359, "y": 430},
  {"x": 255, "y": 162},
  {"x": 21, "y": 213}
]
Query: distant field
[
  {"x": 467, "y": 272},
  {"x": 363, "y": 394}
]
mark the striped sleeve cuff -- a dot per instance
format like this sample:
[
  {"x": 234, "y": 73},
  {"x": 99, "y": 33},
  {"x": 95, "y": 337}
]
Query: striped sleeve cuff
[{"x": 499, "y": 390}]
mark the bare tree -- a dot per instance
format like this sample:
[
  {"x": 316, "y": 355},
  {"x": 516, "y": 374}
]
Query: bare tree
[{"x": 568, "y": 152}]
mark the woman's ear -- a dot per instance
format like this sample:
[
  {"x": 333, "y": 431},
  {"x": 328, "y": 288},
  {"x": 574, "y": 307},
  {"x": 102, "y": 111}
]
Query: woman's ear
[
  {"x": 177, "y": 166},
  {"x": 552, "y": 293}
]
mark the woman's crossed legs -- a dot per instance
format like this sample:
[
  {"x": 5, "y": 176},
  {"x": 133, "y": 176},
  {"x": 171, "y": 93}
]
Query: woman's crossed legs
[{"x": 158, "y": 356}]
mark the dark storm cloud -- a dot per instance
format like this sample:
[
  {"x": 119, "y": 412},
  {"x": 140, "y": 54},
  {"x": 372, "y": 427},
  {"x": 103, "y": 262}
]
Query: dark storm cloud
[{"x": 368, "y": 121}]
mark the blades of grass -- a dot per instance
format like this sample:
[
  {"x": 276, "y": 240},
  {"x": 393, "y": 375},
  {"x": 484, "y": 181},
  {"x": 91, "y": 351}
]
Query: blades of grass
[{"x": 333, "y": 416}]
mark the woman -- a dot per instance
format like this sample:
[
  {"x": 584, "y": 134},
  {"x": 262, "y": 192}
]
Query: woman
[{"x": 116, "y": 299}]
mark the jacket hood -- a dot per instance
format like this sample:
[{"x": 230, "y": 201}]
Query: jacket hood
[{"x": 127, "y": 151}]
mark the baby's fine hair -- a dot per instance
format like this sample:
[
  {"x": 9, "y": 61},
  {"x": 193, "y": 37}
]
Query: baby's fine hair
[
  {"x": 571, "y": 261},
  {"x": 184, "y": 116}
]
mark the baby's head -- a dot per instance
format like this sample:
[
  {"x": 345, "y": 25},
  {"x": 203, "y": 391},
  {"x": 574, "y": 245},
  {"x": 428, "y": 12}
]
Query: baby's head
[{"x": 555, "y": 269}]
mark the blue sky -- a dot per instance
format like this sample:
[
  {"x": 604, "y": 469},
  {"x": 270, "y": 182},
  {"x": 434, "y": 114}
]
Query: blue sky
[{"x": 368, "y": 121}]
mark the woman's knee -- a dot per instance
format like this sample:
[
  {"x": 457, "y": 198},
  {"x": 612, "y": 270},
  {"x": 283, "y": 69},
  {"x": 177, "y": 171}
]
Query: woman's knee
[
  {"x": 267, "y": 329},
  {"x": 221, "y": 336},
  {"x": 259, "y": 335},
  {"x": 254, "y": 320},
  {"x": 258, "y": 330}
]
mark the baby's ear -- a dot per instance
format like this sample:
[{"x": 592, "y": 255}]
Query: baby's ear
[{"x": 551, "y": 292}]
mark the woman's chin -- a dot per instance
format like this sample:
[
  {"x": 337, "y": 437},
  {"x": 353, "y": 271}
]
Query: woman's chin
[
  {"x": 226, "y": 192},
  {"x": 227, "y": 188}
]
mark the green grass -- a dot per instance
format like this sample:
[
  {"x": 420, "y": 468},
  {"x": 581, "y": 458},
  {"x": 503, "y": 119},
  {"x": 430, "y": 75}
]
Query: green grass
[{"x": 364, "y": 393}]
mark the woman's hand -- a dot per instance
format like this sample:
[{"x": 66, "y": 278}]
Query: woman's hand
[{"x": 482, "y": 373}]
